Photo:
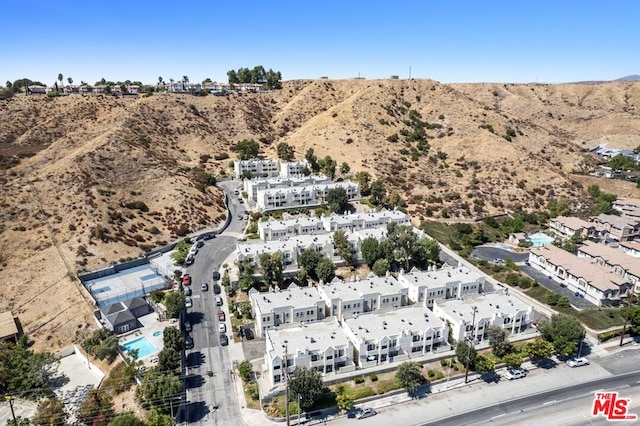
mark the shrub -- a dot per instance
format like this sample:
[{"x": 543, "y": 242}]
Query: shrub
[
  {"x": 358, "y": 380},
  {"x": 373, "y": 378},
  {"x": 137, "y": 205},
  {"x": 221, "y": 156},
  {"x": 362, "y": 392},
  {"x": 385, "y": 386}
]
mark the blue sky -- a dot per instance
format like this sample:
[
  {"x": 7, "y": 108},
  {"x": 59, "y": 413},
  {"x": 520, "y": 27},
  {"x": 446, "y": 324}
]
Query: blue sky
[{"x": 449, "y": 41}]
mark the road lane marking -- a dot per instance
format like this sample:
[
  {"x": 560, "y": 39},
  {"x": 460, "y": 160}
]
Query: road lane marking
[{"x": 549, "y": 402}]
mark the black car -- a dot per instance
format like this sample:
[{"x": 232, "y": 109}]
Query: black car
[
  {"x": 224, "y": 340},
  {"x": 188, "y": 342},
  {"x": 248, "y": 334},
  {"x": 216, "y": 275},
  {"x": 205, "y": 236},
  {"x": 199, "y": 243},
  {"x": 187, "y": 326},
  {"x": 217, "y": 289}
]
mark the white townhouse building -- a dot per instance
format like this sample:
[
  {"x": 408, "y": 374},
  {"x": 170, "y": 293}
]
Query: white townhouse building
[
  {"x": 499, "y": 309},
  {"x": 368, "y": 220},
  {"x": 293, "y": 168},
  {"x": 629, "y": 207},
  {"x": 291, "y": 248},
  {"x": 292, "y": 305},
  {"x": 345, "y": 299},
  {"x": 567, "y": 226},
  {"x": 310, "y": 195},
  {"x": 321, "y": 345},
  {"x": 257, "y": 167},
  {"x": 394, "y": 336},
  {"x": 274, "y": 229},
  {"x": 252, "y": 186},
  {"x": 631, "y": 248},
  {"x": 596, "y": 283},
  {"x": 619, "y": 228},
  {"x": 614, "y": 259},
  {"x": 448, "y": 282}
]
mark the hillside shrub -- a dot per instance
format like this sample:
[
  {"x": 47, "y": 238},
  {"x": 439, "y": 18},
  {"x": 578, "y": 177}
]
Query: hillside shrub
[{"x": 137, "y": 205}]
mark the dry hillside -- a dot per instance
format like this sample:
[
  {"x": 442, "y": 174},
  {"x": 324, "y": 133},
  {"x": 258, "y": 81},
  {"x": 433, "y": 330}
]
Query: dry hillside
[{"x": 91, "y": 180}]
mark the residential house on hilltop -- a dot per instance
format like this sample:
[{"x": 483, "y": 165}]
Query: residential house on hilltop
[
  {"x": 304, "y": 196},
  {"x": 425, "y": 287},
  {"x": 345, "y": 299},
  {"x": 8, "y": 328},
  {"x": 498, "y": 309},
  {"x": 292, "y": 305},
  {"x": 618, "y": 228},
  {"x": 279, "y": 229},
  {"x": 596, "y": 283},
  {"x": 394, "y": 336},
  {"x": 252, "y": 186},
  {"x": 364, "y": 220},
  {"x": 628, "y": 207},
  {"x": 256, "y": 167},
  {"x": 322, "y": 346}
]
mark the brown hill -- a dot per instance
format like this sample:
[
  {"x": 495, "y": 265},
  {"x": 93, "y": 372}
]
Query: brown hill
[{"x": 90, "y": 180}]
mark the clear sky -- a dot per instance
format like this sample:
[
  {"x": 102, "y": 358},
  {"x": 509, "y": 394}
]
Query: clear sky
[{"x": 446, "y": 40}]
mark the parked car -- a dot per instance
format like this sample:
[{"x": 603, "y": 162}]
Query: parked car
[
  {"x": 235, "y": 191},
  {"x": 577, "y": 362},
  {"x": 248, "y": 334},
  {"x": 221, "y": 315},
  {"x": 216, "y": 289},
  {"x": 222, "y": 327},
  {"x": 187, "y": 326},
  {"x": 515, "y": 373},
  {"x": 205, "y": 236},
  {"x": 216, "y": 276},
  {"x": 218, "y": 301},
  {"x": 241, "y": 201},
  {"x": 186, "y": 279},
  {"x": 224, "y": 340},
  {"x": 367, "y": 412},
  {"x": 199, "y": 243},
  {"x": 187, "y": 291},
  {"x": 204, "y": 287},
  {"x": 188, "y": 342},
  {"x": 188, "y": 303},
  {"x": 190, "y": 260}
]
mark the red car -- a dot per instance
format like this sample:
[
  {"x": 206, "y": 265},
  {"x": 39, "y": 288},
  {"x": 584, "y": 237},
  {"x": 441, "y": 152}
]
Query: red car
[{"x": 186, "y": 279}]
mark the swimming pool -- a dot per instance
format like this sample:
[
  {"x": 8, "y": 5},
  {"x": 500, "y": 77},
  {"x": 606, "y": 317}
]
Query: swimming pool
[
  {"x": 143, "y": 346},
  {"x": 157, "y": 334},
  {"x": 540, "y": 239}
]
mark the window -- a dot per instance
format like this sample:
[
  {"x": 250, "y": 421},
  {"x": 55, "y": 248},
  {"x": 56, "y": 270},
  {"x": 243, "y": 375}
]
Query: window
[
  {"x": 329, "y": 357},
  {"x": 276, "y": 378},
  {"x": 416, "y": 338},
  {"x": 371, "y": 347},
  {"x": 314, "y": 357},
  {"x": 341, "y": 352}
]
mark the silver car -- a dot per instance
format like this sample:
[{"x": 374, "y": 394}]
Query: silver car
[{"x": 188, "y": 303}]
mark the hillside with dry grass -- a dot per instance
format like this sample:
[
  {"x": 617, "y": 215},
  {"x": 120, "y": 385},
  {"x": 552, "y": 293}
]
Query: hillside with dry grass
[{"x": 92, "y": 180}]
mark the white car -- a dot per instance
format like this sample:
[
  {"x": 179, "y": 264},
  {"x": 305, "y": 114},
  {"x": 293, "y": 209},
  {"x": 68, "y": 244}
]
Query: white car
[
  {"x": 188, "y": 303},
  {"x": 577, "y": 362},
  {"x": 515, "y": 373},
  {"x": 367, "y": 412},
  {"x": 222, "y": 328}
]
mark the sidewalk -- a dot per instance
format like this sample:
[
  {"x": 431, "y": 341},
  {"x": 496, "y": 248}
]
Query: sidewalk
[{"x": 475, "y": 384}]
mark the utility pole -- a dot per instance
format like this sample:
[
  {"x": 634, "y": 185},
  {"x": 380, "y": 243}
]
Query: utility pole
[
  {"x": 299, "y": 409},
  {"x": 286, "y": 384},
  {"x": 470, "y": 343},
  {"x": 626, "y": 318},
  {"x": 10, "y": 399}
]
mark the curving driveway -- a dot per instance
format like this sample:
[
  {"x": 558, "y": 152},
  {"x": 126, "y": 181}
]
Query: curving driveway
[{"x": 489, "y": 253}]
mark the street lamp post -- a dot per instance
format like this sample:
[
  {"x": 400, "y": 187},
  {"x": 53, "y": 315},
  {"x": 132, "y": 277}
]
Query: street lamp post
[
  {"x": 286, "y": 384},
  {"x": 470, "y": 343},
  {"x": 10, "y": 399},
  {"x": 626, "y": 318}
]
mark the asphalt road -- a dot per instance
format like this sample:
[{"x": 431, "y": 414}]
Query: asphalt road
[
  {"x": 489, "y": 253},
  {"x": 543, "y": 280},
  {"x": 209, "y": 381},
  {"x": 511, "y": 412}
]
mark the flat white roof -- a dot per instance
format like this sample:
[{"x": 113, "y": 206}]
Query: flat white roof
[
  {"x": 313, "y": 336},
  {"x": 440, "y": 277},
  {"x": 487, "y": 305},
  {"x": 257, "y": 247},
  {"x": 353, "y": 290},
  {"x": 374, "y": 216},
  {"x": 297, "y": 297},
  {"x": 299, "y": 220},
  {"x": 376, "y": 325},
  {"x": 306, "y": 188}
]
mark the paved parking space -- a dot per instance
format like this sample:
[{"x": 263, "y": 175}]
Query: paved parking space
[
  {"x": 552, "y": 285},
  {"x": 489, "y": 253},
  {"x": 255, "y": 348}
]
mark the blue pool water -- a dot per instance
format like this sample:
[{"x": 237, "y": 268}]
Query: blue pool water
[
  {"x": 157, "y": 334},
  {"x": 143, "y": 346},
  {"x": 540, "y": 239}
]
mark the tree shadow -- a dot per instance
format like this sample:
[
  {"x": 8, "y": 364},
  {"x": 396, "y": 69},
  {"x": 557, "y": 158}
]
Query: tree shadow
[
  {"x": 195, "y": 359},
  {"x": 195, "y": 411},
  {"x": 545, "y": 363},
  {"x": 193, "y": 381},
  {"x": 195, "y": 317}
]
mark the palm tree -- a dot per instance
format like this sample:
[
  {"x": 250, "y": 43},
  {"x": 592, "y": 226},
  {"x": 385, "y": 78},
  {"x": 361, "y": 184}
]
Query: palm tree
[
  {"x": 70, "y": 80},
  {"x": 60, "y": 77},
  {"x": 185, "y": 81},
  {"x": 160, "y": 81}
]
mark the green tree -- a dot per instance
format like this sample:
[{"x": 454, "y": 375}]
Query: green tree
[
  {"x": 232, "y": 77},
  {"x": 245, "y": 370},
  {"x": 30, "y": 374},
  {"x": 158, "y": 419},
  {"x": 126, "y": 419},
  {"x": 285, "y": 151},
  {"x": 97, "y": 409},
  {"x": 102, "y": 344},
  {"x": 247, "y": 148},
  {"x": 370, "y": 250},
  {"x": 312, "y": 160},
  {"x": 172, "y": 338},
  {"x": 307, "y": 383},
  {"x": 168, "y": 360},
  {"x": 60, "y": 78},
  {"x": 70, "y": 80},
  {"x": 344, "y": 168},
  {"x": 277, "y": 265},
  {"x": 20, "y": 421},
  {"x": 50, "y": 412},
  {"x": 381, "y": 267},
  {"x": 409, "y": 375},
  {"x": 160, "y": 390},
  {"x": 338, "y": 200},
  {"x": 378, "y": 192},
  {"x": 564, "y": 331},
  {"x": 363, "y": 179},
  {"x": 466, "y": 353},
  {"x": 325, "y": 270},
  {"x": 402, "y": 244},
  {"x": 500, "y": 346},
  {"x": 328, "y": 166},
  {"x": 483, "y": 364},
  {"x": 308, "y": 260},
  {"x": 345, "y": 397},
  {"x": 174, "y": 301},
  {"x": 245, "y": 275},
  {"x": 273, "y": 79},
  {"x": 539, "y": 349},
  {"x": 427, "y": 252},
  {"x": 513, "y": 360},
  {"x": 266, "y": 266},
  {"x": 343, "y": 247}
]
